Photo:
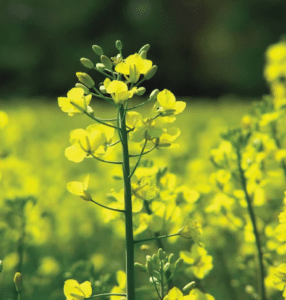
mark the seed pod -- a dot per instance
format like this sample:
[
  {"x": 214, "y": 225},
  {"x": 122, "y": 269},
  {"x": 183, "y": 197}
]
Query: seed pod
[
  {"x": 85, "y": 79},
  {"x": 151, "y": 72},
  {"x": 87, "y": 63},
  {"x": 106, "y": 61},
  {"x": 97, "y": 50},
  {"x": 188, "y": 287},
  {"x": 18, "y": 282}
]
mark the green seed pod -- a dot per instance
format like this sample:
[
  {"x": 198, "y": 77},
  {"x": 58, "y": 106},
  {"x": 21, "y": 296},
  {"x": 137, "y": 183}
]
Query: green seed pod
[
  {"x": 188, "y": 287},
  {"x": 87, "y": 63},
  {"x": 100, "y": 67},
  {"x": 161, "y": 254},
  {"x": 141, "y": 91},
  {"x": 143, "y": 54},
  {"x": 139, "y": 267},
  {"x": 97, "y": 50},
  {"x": 144, "y": 48},
  {"x": 118, "y": 45},
  {"x": 151, "y": 72},
  {"x": 172, "y": 258},
  {"x": 18, "y": 282},
  {"x": 86, "y": 90},
  {"x": 106, "y": 61},
  {"x": 1, "y": 266},
  {"x": 179, "y": 264},
  {"x": 154, "y": 94},
  {"x": 85, "y": 79}
]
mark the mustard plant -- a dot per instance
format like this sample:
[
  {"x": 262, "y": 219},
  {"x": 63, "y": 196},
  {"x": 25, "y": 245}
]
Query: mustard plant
[{"x": 123, "y": 81}]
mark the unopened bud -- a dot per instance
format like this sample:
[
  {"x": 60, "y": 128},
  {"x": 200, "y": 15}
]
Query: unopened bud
[
  {"x": 141, "y": 91},
  {"x": 86, "y": 90},
  {"x": 161, "y": 254},
  {"x": 167, "y": 266},
  {"x": 118, "y": 45},
  {"x": 144, "y": 48},
  {"x": 143, "y": 54},
  {"x": 87, "y": 63},
  {"x": 151, "y": 72},
  {"x": 188, "y": 287},
  {"x": 106, "y": 61},
  {"x": 100, "y": 67},
  {"x": 172, "y": 258},
  {"x": 85, "y": 79},
  {"x": 102, "y": 89},
  {"x": 86, "y": 196},
  {"x": 18, "y": 282},
  {"x": 97, "y": 50},
  {"x": 154, "y": 94},
  {"x": 149, "y": 266},
  {"x": 179, "y": 264},
  {"x": 139, "y": 267}
]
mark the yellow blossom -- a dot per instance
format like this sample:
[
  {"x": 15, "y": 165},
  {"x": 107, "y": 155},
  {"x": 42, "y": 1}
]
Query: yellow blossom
[{"x": 75, "y": 291}]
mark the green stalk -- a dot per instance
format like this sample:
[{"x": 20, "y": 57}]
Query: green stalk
[
  {"x": 255, "y": 230},
  {"x": 130, "y": 288}
]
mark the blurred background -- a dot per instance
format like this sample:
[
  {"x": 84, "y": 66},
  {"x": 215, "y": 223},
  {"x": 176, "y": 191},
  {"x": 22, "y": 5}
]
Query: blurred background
[{"x": 204, "y": 48}]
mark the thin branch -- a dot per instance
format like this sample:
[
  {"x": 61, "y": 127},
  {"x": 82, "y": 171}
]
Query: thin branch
[
  {"x": 106, "y": 161},
  {"x": 105, "y": 294},
  {"x": 155, "y": 238},
  {"x": 138, "y": 161},
  {"x": 148, "y": 151},
  {"x": 110, "y": 208}
]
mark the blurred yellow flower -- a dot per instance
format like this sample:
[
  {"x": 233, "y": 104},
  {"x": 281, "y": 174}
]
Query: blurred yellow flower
[
  {"x": 75, "y": 291},
  {"x": 80, "y": 188}
]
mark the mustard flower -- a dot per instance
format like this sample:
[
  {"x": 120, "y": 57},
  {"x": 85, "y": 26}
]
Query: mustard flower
[
  {"x": 121, "y": 287},
  {"x": 118, "y": 90},
  {"x": 75, "y": 95},
  {"x": 75, "y": 291},
  {"x": 80, "y": 188},
  {"x": 92, "y": 141},
  {"x": 192, "y": 230},
  {"x": 134, "y": 65},
  {"x": 195, "y": 294},
  {"x": 199, "y": 259}
]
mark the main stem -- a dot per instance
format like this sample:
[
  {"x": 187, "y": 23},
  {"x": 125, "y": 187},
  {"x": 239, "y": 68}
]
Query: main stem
[
  {"x": 255, "y": 230},
  {"x": 129, "y": 250}
]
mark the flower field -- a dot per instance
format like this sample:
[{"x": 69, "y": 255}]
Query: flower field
[{"x": 218, "y": 193}]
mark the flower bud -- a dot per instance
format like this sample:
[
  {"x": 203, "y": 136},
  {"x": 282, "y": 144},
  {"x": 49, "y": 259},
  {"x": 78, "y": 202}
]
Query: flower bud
[
  {"x": 188, "y": 287},
  {"x": 154, "y": 94},
  {"x": 86, "y": 90},
  {"x": 97, "y": 50},
  {"x": 102, "y": 89},
  {"x": 149, "y": 266},
  {"x": 144, "y": 48},
  {"x": 141, "y": 91},
  {"x": 172, "y": 258},
  {"x": 87, "y": 63},
  {"x": 106, "y": 61},
  {"x": 143, "y": 54},
  {"x": 139, "y": 267},
  {"x": 100, "y": 67},
  {"x": 167, "y": 266},
  {"x": 179, "y": 264},
  {"x": 18, "y": 282},
  {"x": 85, "y": 79},
  {"x": 86, "y": 196},
  {"x": 1, "y": 266},
  {"x": 118, "y": 45},
  {"x": 161, "y": 254},
  {"x": 151, "y": 72}
]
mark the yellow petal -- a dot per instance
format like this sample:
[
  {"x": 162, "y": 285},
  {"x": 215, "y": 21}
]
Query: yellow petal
[
  {"x": 75, "y": 187},
  {"x": 76, "y": 135},
  {"x": 70, "y": 286},
  {"x": 116, "y": 86},
  {"x": 75, "y": 93},
  {"x": 121, "y": 279},
  {"x": 75, "y": 153},
  {"x": 85, "y": 182},
  {"x": 106, "y": 83},
  {"x": 122, "y": 68},
  {"x": 86, "y": 288},
  {"x": 179, "y": 106},
  {"x": 166, "y": 99}
]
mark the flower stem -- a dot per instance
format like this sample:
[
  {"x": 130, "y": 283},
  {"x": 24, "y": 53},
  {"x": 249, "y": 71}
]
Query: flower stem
[
  {"x": 253, "y": 221},
  {"x": 130, "y": 288}
]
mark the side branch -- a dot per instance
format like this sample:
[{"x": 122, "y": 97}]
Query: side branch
[{"x": 110, "y": 208}]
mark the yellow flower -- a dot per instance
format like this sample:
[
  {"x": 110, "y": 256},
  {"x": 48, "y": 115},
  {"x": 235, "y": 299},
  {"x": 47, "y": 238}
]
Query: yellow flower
[
  {"x": 75, "y": 291},
  {"x": 174, "y": 294},
  {"x": 134, "y": 65},
  {"x": 199, "y": 259},
  {"x": 76, "y": 96},
  {"x": 80, "y": 188},
  {"x": 121, "y": 288},
  {"x": 192, "y": 230},
  {"x": 167, "y": 105},
  {"x": 118, "y": 90},
  {"x": 195, "y": 294},
  {"x": 92, "y": 141}
]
